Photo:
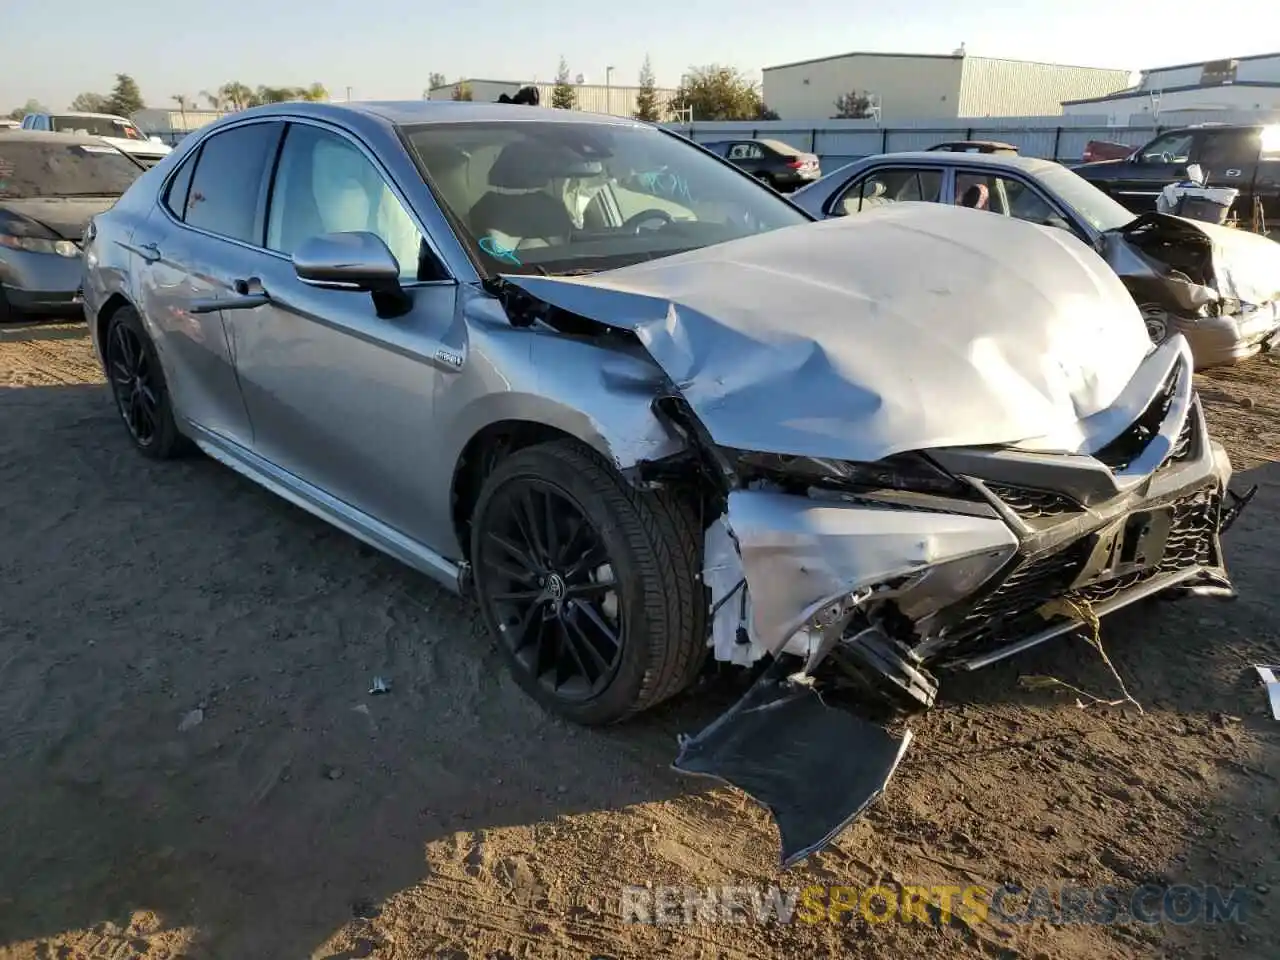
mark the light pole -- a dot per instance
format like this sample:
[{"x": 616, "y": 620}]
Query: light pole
[{"x": 608, "y": 90}]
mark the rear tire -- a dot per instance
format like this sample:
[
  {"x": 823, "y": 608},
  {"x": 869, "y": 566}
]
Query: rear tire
[
  {"x": 6, "y": 311},
  {"x": 139, "y": 389},
  {"x": 554, "y": 529}
]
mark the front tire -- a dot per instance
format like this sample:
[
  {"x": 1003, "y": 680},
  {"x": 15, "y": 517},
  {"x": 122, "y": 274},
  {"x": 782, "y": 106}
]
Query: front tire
[
  {"x": 590, "y": 586},
  {"x": 1156, "y": 319},
  {"x": 139, "y": 389}
]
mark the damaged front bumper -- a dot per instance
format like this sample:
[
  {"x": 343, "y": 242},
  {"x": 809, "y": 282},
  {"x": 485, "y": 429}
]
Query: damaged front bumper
[{"x": 883, "y": 587}]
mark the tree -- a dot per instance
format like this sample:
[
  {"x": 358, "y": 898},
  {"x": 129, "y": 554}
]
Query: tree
[
  {"x": 315, "y": 93},
  {"x": 852, "y": 106},
  {"x": 763, "y": 112},
  {"x": 436, "y": 81},
  {"x": 31, "y": 106},
  {"x": 92, "y": 103},
  {"x": 233, "y": 95},
  {"x": 563, "y": 96},
  {"x": 462, "y": 90},
  {"x": 647, "y": 107},
  {"x": 715, "y": 92},
  {"x": 126, "y": 98},
  {"x": 214, "y": 99}
]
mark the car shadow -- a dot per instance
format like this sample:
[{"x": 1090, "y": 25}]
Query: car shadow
[
  {"x": 53, "y": 328},
  {"x": 191, "y": 742}
]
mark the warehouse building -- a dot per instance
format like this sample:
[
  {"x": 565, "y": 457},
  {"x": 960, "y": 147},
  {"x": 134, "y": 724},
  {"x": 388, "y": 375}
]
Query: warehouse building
[
  {"x": 592, "y": 97},
  {"x": 908, "y": 86},
  {"x": 1243, "y": 84}
]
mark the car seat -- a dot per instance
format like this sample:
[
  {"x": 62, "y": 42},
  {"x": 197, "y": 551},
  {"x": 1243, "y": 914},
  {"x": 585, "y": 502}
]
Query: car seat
[{"x": 519, "y": 212}]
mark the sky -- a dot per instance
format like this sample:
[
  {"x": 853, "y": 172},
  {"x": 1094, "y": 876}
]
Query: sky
[{"x": 387, "y": 49}]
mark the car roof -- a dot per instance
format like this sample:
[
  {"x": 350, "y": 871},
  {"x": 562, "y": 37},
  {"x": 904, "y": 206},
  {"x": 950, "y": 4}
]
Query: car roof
[
  {"x": 410, "y": 112},
  {"x": 998, "y": 144},
  {"x": 1031, "y": 165},
  {"x": 44, "y": 136}
]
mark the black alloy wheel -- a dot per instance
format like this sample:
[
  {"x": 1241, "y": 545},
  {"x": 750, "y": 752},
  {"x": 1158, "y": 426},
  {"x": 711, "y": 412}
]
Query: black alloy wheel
[
  {"x": 551, "y": 589},
  {"x": 590, "y": 586},
  {"x": 139, "y": 389},
  {"x": 133, "y": 384}
]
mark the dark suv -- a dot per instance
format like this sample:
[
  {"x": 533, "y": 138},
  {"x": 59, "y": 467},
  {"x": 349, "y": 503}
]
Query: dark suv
[
  {"x": 778, "y": 164},
  {"x": 1246, "y": 157}
]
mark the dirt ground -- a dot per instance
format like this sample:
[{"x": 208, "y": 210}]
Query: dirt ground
[{"x": 450, "y": 818}]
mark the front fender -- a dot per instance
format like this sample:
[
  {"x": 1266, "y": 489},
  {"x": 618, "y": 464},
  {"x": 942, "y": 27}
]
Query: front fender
[{"x": 599, "y": 394}]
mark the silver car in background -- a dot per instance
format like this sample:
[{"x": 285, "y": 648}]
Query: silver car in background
[
  {"x": 647, "y": 412},
  {"x": 51, "y": 186}
]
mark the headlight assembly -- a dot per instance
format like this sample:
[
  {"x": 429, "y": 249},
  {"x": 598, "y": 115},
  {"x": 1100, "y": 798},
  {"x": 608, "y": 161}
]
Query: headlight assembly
[{"x": 908, "y": 472}]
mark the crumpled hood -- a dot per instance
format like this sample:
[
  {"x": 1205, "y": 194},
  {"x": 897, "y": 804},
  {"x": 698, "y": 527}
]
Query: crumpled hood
[
  {"x": 906, "y": 328},
  {"x": 1189, "y": 263},
  {"x": 65, "y": 216},
  {"x": 1246, "y": 266}
]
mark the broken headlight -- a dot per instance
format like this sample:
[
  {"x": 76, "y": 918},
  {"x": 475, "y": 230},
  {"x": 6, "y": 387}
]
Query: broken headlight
[{"x": 907, "y": 471}]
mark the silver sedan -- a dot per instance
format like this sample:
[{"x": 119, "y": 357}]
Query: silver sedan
[
  {"x": 1216, "y": 286},
  {"x": 648, "y": 413}
]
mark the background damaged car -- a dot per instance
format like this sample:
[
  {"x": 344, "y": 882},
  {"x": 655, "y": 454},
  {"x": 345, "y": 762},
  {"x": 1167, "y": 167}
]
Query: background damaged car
[
  {"x": 1217, "y": 286},
  {"x": 646, "y": 412}
]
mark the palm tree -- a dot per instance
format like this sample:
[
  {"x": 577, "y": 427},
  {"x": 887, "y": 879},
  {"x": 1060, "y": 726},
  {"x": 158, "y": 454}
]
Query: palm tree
[
  {"x": 214, "y": 99},
  {"x": 183, "y": 101}
]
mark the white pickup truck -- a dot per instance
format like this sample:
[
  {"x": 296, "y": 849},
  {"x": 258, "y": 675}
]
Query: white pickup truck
[{"x": 117, "y": 131}]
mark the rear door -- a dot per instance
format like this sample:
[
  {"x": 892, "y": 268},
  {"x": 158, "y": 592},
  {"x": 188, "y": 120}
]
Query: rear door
[
  {"x": 887, "y": 184},
  {"x": 748, "y": 155},
  {"x": 191, "y": 249},
  {"x": 1229, "y": 158}
]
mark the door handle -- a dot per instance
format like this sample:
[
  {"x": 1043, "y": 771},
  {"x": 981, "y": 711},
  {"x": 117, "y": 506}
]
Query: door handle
[
  {"x": 149, "y": 252},
  {"x": 251, "y": 287},
  {"x": 249, "y": 293}
]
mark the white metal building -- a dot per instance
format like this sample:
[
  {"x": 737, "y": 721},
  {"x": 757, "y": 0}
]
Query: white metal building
[
  {"x": 1240, "y": 85},
  {"x": 908, "y": 86},
  {"x": 172, "y": 125},
  {"x": 591, "y": 97}
]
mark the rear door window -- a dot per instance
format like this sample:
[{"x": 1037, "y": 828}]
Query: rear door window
[
  {"x": 889, "y": 185},
  {"x": 1222, "y": 150},
  {"x": 228, "y": 188}
]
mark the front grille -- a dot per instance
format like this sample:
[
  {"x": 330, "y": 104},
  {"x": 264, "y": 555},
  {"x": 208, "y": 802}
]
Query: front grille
[
  {"x": 1010, "y": 611},
  {"x": 1127, "y": 447},
  {"x": 1182, "y": 446},
  {"x": 1031, "y": 504}
]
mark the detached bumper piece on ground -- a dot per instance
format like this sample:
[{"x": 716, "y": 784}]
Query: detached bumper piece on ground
[{"x": 815, "y": 767}]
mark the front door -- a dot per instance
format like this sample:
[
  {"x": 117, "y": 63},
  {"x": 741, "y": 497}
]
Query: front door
[
  {"x": 1161, "y": 162},
  {"x": 340, "y": 396}
]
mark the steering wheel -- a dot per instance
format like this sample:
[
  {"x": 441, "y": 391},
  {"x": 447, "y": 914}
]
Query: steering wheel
[{"x": 634, "y": 222}]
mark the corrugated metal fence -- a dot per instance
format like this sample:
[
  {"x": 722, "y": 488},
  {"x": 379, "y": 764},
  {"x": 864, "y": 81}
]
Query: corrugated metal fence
[{"x": 837, "y": 142}]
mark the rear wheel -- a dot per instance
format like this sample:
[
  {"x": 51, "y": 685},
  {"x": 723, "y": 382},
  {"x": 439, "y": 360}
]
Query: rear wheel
[
  {"x": 6, "y": 311},
  {"x": 139, "y": 389},
  {"x": 764, "y": 178},
  {"x": 590, "y": 586}
]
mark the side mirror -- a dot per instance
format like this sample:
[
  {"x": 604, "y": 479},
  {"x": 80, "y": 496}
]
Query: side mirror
[{"x": 348, "y": 261}]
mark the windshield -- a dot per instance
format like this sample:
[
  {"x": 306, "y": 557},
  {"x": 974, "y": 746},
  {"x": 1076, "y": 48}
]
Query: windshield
[
  {"x": 554, "y": 197},
  {"x": 1090, "y": 204},
  {"x": 29, "y": 170},
  {"x": 96, "y": 127}
]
